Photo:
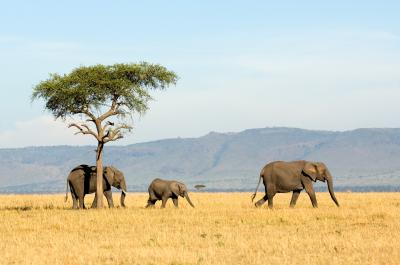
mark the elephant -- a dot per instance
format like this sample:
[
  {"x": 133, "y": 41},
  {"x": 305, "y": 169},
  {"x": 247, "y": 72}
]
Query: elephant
[
  {"x": 82, "y": 180},
  {"x": 281, "y": 177},
  {"x": 161, "y": 189}
]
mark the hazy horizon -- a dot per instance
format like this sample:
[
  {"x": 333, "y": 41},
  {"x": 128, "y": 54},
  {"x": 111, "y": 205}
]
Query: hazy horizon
[{"x": 123, "y": 143}]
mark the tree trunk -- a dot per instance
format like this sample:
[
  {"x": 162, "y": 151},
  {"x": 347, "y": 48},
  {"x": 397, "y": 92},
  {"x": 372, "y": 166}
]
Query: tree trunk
[{"x": 99, "y": 169}]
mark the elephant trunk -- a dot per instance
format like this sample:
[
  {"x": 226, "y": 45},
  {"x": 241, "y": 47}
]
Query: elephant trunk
[
  {"x": 123, "y": 193},
  {"x": 330, "y": 187},
  {"x": 186, "y": 195}
]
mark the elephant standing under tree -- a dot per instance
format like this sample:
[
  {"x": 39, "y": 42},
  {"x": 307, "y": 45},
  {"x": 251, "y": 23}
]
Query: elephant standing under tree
[
  {"x": 281, "y": 177},
  {"x": 82, "y": 180},
  {"x": 160, "y": 189}
]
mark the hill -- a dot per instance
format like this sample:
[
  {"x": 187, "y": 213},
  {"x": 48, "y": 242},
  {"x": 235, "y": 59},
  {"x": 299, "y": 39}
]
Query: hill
[{"x": 358, "y": 159}]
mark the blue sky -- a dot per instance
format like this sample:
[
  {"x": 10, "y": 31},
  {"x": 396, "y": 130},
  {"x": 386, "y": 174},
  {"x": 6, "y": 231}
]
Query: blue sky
[{"x": 242, "y": 64}]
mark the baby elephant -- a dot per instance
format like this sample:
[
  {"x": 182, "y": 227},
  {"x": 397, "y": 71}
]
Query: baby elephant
[{"x": 160, "y": 189}]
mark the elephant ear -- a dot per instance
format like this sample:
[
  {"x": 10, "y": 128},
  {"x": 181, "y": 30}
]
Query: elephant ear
[
  {"x": 176, "y": 189},
  {"x": 310, "y": 169},
  {"x": 321, "y": 169},
  {"x": 109, "y": 174}
]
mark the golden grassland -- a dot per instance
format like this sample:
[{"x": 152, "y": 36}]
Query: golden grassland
[{"x": 224, "y": 228}]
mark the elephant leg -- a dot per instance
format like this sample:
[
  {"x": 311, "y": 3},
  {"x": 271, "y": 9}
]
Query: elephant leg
[
  {"x": 164, "y": 202},
  {"x": 271, "y": 202},
  {"x": 108, "y": 195},
  {"x": 270, "y": 193},
  {"x": 150, "y": 203},
  {"x": 295, "y": 196},
  {"x": 152, "y": 199},
  {"x": 94, "y": 203},
  {"x": 82, "y": 202},
  {"x": 175, "y": 201},
  {"x": 310, "y": 191},
  {"x": 74, "y": 201},
  {"x": 262, "y": 201}
]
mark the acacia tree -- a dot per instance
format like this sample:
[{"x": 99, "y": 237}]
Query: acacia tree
[{"x": 105, "y": 98}]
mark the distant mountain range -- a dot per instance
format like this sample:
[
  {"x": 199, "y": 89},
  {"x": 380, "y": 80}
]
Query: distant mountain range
[{"x": 362, "y": 159}]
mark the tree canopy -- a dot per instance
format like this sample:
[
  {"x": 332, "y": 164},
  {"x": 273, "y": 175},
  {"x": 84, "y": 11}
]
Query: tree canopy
[
  {"x": 117, "y": 90},
  {"x": 89, "y": 87}
]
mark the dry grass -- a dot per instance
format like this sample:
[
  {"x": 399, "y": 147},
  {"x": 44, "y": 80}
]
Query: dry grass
[{"x": 223, "y": 229}]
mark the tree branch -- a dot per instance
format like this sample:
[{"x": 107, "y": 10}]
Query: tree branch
[
  {"x": 89, "y": 114},
  {"x": 112, "y": 111},
  {"x": 108, "y": 124},
  {"x": 83, "y": 129},
  {"x": 115, "y": 134},
  {"x": 115, "y": 138}
]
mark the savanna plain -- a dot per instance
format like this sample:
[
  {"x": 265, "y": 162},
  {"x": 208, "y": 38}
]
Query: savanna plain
[{"x": 224, "y": 228}]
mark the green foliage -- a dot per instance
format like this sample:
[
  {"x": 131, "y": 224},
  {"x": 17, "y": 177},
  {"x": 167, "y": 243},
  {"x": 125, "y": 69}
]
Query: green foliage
[{"x": 92, "y": 87}]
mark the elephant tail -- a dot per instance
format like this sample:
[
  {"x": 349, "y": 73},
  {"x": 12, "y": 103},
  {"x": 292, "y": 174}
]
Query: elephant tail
[
  {"x": 258, "y": 185},
  {"x": 66, "y": 193}
]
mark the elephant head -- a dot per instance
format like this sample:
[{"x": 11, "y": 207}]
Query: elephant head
[
  {"x": 318, "y": 171},
  {"x": 179, "y": 189},
  {"x": 116, "y": 179}
]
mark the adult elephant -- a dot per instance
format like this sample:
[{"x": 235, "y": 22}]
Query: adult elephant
[
  {"x": 280, "y": 177},
  {"x": 160, "y": 189},
  {"x": 82, "y": 180}
]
